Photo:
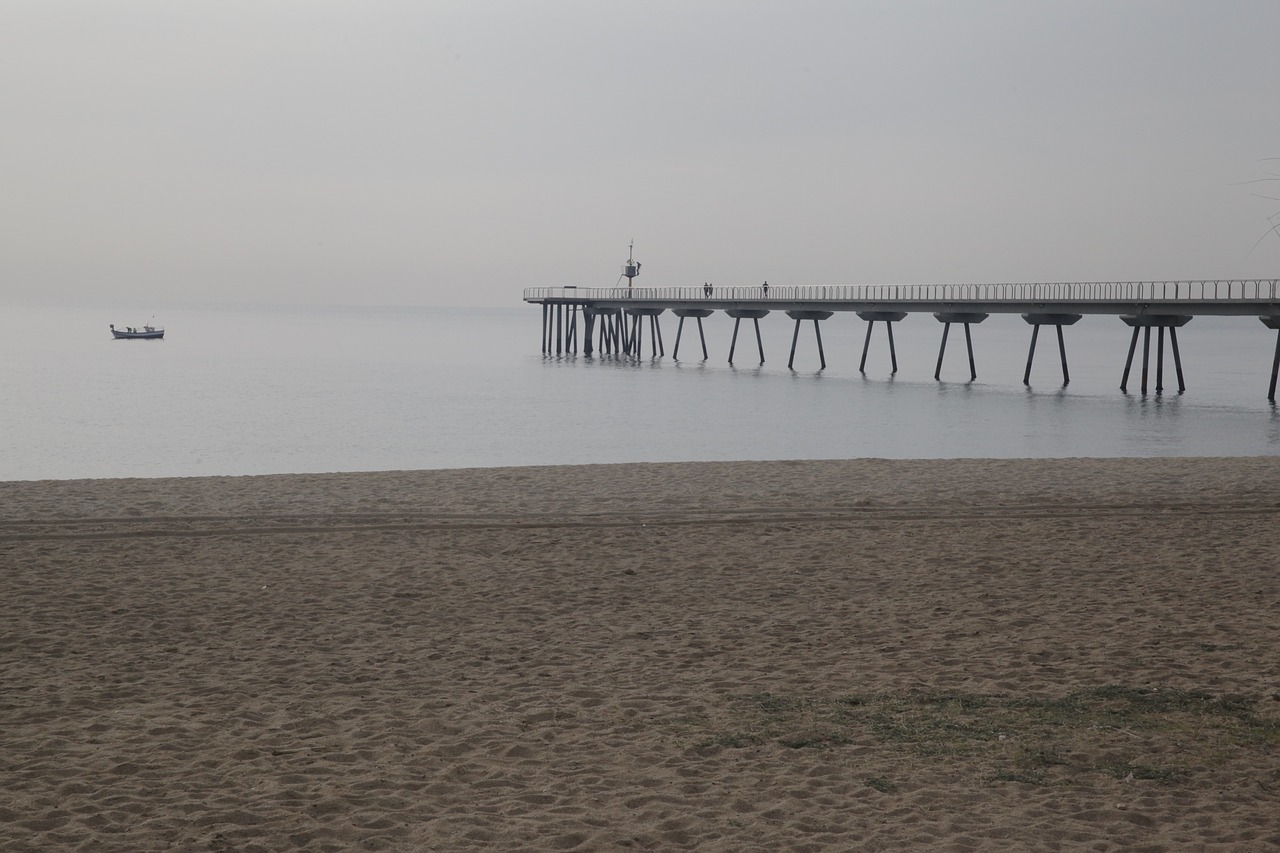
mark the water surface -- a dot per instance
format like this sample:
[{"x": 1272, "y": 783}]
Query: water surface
[{"x": 251, "y": 390}]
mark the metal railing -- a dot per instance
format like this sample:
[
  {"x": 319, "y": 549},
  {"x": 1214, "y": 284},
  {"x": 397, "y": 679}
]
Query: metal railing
[{"x": 1223, "y": 290}]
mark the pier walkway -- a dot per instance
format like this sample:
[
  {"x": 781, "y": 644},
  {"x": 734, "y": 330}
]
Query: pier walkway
[{"x": 612, "y": 318}]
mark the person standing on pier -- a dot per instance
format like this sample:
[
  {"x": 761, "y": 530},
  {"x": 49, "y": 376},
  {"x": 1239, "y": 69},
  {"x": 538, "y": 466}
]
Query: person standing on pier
[
  {"x": 765, "y": 286},
  {"x": 706, "y": 288}
]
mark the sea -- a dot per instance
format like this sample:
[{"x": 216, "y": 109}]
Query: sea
[{"x": 264, "y": 389}]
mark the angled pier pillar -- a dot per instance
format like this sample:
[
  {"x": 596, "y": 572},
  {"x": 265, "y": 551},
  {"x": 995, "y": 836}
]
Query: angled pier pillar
[
  {"x": 637, "y": 331},
  {"x": 967, "y": 318},
  {"x": 612, "y": 330},
  {"x": 816, "y": 317},
  {"x": 889, "y": 318},
  {"x": 1145, "y": 323},
  {"x": 622, "y": 333},
  {"x": 655, "y": 333},
  {"x": 588, "y": 329},
  {"x": 1273, "y": 323},
  {"x": 607, "y": 331},
  {"x": 601, "y": 329},
  {"x": 571, "y": 334},
  {"x": 1057, "y": 321},
  {"x": 697, "y": 314},
  {"x": 740, "y": 314}
]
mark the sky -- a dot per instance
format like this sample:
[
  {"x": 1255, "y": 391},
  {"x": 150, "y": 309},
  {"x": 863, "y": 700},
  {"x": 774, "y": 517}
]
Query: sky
[{"x": 453, "y": 152}]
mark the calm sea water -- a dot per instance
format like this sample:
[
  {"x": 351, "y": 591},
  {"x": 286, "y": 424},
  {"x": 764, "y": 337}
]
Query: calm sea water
[{"x": 252, "y": 390}]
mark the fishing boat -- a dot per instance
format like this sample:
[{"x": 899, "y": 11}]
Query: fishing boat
[{"x": 135, "y": 332}]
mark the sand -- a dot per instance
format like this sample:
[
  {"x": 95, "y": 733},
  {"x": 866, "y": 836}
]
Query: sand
[{"x": 850, "y": 655}]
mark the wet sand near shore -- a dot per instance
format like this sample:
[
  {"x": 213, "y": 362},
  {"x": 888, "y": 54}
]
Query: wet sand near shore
[{"x": 861, "y": 654}]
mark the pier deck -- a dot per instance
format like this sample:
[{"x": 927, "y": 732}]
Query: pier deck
[{"x": 1254, "y": 297}]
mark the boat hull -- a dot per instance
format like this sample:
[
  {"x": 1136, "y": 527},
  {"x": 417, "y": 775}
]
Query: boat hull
[{"x": 154, "y": 334}]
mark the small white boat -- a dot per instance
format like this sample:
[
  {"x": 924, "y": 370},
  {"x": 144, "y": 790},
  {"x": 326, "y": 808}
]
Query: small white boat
[{"x": 141, "y": 332}]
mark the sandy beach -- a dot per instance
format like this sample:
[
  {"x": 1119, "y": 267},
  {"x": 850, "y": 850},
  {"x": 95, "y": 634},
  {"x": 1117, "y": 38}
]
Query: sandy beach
[{"x": 847, "y": 655}]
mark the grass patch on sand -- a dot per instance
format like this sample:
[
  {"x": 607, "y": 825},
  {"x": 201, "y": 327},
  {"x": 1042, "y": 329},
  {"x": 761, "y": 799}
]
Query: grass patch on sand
[
  {"x": 882, "y": 785},
  {"x": 1128, "y": 733}
]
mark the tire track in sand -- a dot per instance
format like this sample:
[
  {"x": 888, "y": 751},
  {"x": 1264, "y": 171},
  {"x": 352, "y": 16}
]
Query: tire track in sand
[{"x": 152, "y": 527}]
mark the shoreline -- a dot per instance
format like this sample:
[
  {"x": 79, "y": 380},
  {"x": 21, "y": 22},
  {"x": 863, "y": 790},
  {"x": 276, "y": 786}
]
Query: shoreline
[{"x": 882, "y": 478}]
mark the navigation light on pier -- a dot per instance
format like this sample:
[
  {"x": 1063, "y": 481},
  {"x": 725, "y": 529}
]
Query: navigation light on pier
[{"x": 631, "y": 268}]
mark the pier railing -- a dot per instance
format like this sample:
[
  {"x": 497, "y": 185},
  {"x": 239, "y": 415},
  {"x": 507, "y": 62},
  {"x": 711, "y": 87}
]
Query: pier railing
[{"x": 1234, "y": 290}]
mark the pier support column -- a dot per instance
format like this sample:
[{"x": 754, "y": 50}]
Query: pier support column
[
  {"x": 1145, "y": 323},
  {"x": 967, "y": 318},
  {"x": 1160, "y": 359},
  {"x": 618, "y": 332},
  {"x": 1057, "y": 321},
  {"x": 609, "y": 331},
  {"x": 571, "y": 328},
  {"x": 799, "y": 317},
  {"x": 1273, "y": 323},
  {"x": 697, "y": 314},
  {"x": 606, "y": 331},
  {"x": 631, "y": 334},
  {"x": 619, "y": 324},
  {"x": 655, "y": 335},
  {"x": 740, "y": 314},
  {"x": 623, "y": 333},
  {"x": 889, "y": 318},
  {"x": 588, "y": 328},
  {"x": 637, "y": 333}
]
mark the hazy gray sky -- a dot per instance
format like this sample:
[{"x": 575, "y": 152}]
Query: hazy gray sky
[{"x": 454, "y": 151}]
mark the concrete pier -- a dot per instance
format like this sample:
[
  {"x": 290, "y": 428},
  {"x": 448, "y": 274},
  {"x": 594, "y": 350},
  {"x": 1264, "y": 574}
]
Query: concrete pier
[
  {"x": 967, "y": 318},
  {"x": 1273, "y": 323},
  {"x": 615, "y": 315},
  {"x": 816, "y": 317},
  {"x": 1057, "y": 321},
  {"x": 1145, "y": 323},
  {"x": 888, "y": 318},
  {"x": 755, "y": 315},
  {"x": 698, "y": 314}
]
